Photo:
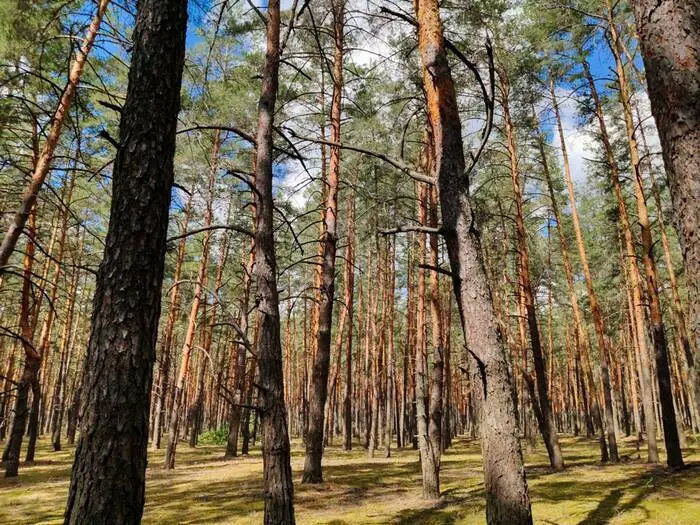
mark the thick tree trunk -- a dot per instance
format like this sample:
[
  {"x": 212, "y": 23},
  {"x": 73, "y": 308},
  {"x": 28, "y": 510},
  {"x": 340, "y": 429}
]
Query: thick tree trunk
[
  {"x": 507, "y": 499},
  {"x": 277, "y": 472},
  {"x": 669, "y": 33},
  {"x": 108, "y": 477}
]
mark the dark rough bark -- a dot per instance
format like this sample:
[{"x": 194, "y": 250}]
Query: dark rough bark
[
  {"x": 507, "y": 499},
  {"x": 669, "y": 33},
  {"x": 277, "y": 472},
  {"x": 108, "y": 478}
]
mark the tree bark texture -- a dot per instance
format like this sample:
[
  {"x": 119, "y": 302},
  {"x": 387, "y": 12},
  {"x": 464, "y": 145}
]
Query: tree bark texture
[
  {"x": 108, "y": 477},
  {"x": 507, "y": 499}
]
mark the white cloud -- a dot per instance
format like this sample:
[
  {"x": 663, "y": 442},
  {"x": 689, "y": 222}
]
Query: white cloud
[{"x": 580, "y": 143}]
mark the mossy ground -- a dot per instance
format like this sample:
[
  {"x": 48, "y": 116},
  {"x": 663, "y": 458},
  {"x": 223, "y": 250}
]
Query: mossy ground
[{"x": 358, "y": 490}]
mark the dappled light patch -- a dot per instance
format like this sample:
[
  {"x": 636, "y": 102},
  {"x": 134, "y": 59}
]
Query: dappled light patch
[{"x": 203, "y": 488}]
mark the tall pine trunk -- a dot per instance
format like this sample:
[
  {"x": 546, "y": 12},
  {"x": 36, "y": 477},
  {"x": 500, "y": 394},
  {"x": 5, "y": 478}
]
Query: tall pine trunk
[
  {"x": 108, "y": 476},
  {"x": 543, "y": 408},
  {"x": 674, "y": 455},
  {"x": 635, "y": 282},
  {"x": 669, "y": 34},
  {"x": 603, "y": 346},
  {"x": 507, "y": 499},
  {"x": 329, "y": 240},
  {"x": 277, "y": 472},
  {"x": 43, "y": 163},
  {"x": 192, "y": 325}
]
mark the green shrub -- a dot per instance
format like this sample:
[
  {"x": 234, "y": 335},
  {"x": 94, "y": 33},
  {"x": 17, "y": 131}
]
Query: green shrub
[{"x": 214, "y": 437}]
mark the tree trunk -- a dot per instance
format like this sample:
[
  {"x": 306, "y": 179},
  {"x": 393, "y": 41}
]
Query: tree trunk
[
  {"x": 277, "y": 472},
  {"x": 329, "y": 239},
  {"x": 389, "y": 325},
  {"x": 43, "y": 164},
  {"x": 546, "y": 421},
  {"x": 603, "y": 346},
  {"x": 349, "y": 278},
  {"x": 192, "y": 325},
  {"x": 58, "y": 404},
  {"x": 581, "y": 332},
  {"x": 674, "y": 455},
  {"x": 108, "y": 476},
  {"x": 173, "y": 313},
  {"x": 507, "y": 499},
  {"x": 633, "y": 274},
  {"x": 429, "y": 460},
  {"x": 669, "y": 34}
]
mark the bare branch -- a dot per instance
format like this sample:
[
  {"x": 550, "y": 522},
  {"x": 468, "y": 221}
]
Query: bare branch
[
  {"x": 231, "y": 227},
  {"x": 397, "y": 163}
]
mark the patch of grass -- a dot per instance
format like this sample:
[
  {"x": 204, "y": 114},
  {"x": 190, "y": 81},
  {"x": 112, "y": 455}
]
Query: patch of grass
[{"x": 360, "y": 490}]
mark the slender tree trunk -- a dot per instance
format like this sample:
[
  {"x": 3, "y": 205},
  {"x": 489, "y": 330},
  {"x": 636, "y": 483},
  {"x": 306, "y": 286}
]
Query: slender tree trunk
[
  {"x": 239, "y": 375},
  {"x": 674, "y": 455},
  {"x": 390, "y": 365},
  {"x": 14, "y": 443},
  {"x": 192, "y": 325},
  {"x": 58, "y": 404},
  {"x": 603, "y": 346},
  {"x": 173, "y": 313},
  {"x": 319, "y": 377},
  {"x": 45, "y": 337},
  {"x": 507, "y": 499},
  {"x": 429, "y": 466},
  {"x": 277, "y": 472},
  {"x": 579, "y": 326},
  {"x": 684, "y": 340},
  {"x": 431, "y": 485},
  {"x": 121, "y": 352},
  {"x": 546, "y": 421},
  {"x": 29, "y": 419},
  {"x": 349, "y": 278},
  {"x": 43, "y": 164},
  {"x": 633, "y": 274}
]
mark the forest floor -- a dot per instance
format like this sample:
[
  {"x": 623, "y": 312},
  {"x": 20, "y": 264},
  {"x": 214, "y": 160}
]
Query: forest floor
[{"x": 358, "y": 490}]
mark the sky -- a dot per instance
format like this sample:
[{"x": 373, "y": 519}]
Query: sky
[{"x": 371, "y": 44}]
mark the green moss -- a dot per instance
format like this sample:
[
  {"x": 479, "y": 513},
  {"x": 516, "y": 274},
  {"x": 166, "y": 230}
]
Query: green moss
[{"x": 358, "y": 490}]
